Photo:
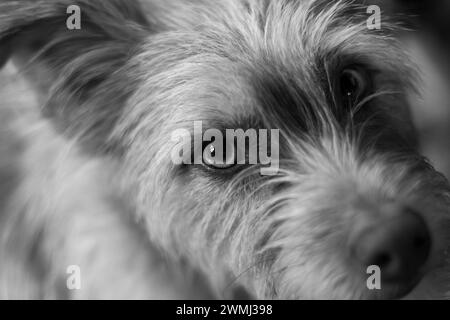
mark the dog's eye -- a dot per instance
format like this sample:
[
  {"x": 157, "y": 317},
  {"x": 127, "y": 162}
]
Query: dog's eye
[
  {"x": 217, "y": 157},
  {"x": 354, "y": 84}
]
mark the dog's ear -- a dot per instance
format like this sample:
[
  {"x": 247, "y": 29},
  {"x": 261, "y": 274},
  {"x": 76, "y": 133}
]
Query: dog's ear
[{"x": 76, "y": 53}]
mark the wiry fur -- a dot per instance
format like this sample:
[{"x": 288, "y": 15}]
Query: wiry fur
[{"x": 93, "y": 190}]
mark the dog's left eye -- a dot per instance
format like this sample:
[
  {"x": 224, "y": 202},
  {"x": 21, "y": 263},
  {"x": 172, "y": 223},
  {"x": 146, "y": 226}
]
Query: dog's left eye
[
  {"x": 354, "y": 84},
  {"x": 215, "y": 158}
]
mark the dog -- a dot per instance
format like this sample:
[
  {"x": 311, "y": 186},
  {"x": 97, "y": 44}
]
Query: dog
[{"x": 88, "y": 116}]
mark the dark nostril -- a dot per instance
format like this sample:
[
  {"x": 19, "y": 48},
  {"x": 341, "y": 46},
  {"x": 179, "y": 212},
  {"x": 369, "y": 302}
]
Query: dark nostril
[{"x": 399, "y": 246}]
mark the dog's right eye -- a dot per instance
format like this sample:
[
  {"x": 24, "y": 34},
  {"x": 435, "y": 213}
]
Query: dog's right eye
[
  {"x": 217, "y": 157},
  {"x": 354, "y": 84}
]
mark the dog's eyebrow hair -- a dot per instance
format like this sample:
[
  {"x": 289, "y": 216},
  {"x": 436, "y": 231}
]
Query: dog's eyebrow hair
[{"x": 283, "y": 103}]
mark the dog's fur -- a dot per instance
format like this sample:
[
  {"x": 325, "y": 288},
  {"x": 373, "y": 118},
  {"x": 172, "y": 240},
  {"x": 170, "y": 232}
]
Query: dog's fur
[{"x": 97, "y": 187}]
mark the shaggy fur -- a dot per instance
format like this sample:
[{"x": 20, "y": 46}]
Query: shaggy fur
[{"x": 91, "y": 183}]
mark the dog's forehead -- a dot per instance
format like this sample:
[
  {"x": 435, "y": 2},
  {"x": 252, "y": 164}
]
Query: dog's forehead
[
  {"x": 246, "y": 97},
  {"x": 250, "y": 94},
  {"x": 265, "y": 94}
]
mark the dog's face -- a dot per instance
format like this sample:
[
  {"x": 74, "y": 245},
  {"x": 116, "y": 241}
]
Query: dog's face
[{"x": 351, "y": 190}]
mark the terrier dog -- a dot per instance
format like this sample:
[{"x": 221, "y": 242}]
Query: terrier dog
[{"x": 88, "y": 179}]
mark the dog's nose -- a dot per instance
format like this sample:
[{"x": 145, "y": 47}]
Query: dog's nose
[{"x": 399, "y": 246}]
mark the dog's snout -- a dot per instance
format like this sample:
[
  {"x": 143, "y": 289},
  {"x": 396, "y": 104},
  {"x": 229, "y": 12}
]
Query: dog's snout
[{"x": 399, "y": 246}]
